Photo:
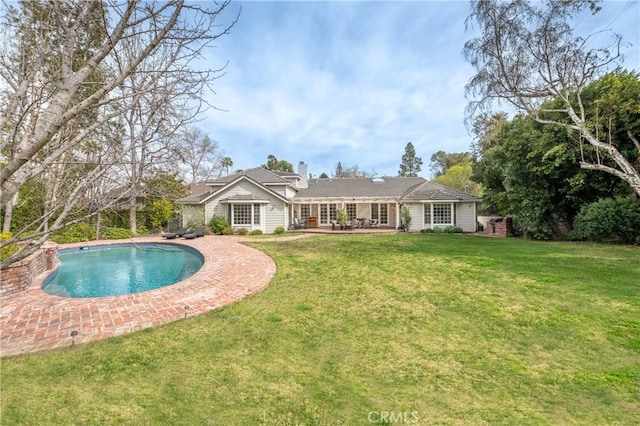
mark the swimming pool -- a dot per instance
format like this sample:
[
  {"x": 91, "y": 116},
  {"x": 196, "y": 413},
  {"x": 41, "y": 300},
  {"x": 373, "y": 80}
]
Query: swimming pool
[{"x": 118, "y": 269}]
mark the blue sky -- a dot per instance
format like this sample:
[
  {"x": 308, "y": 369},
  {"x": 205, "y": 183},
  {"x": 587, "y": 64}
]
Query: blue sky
[{"x": 323, "y": 82}]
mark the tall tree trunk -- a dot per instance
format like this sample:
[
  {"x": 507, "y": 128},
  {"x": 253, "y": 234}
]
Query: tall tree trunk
[
  {"x": 8, "y": 212},
  {"x": 133, "y": 224}
]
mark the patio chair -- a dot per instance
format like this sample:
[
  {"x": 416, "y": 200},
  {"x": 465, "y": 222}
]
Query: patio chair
[
  {"x": 373, "y": 223},
  {"x": 179, "y": 233},
  {"x": 334, "y": 225},
  {"x": 199, "y": 232}
]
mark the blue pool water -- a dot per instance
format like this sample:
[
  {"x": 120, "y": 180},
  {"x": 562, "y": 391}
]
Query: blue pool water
[{"x": 118, "y": 269}]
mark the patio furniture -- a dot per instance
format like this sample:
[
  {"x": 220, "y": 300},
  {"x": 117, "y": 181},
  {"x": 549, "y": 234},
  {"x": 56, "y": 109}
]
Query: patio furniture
[
  {"x": 199, "y": 232},
  {"x": 373, "y": 223},
  {"x": 312, "y": 222},
  {"x": 179, "y": 233},
  {"x": 334, "y": 225}
]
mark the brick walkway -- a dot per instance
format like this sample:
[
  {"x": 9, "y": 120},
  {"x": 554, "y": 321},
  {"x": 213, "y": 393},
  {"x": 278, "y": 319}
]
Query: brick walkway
[{"x": 34, "y": 320}]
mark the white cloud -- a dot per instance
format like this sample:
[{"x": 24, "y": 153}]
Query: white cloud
[{"x": 343, "y": 81}]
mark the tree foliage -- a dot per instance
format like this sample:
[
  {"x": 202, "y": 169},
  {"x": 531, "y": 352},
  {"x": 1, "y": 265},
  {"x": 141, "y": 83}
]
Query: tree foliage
[
  {"x": 441, "y": 161},
  {"x": 533, "y": 174},
  {"x": 411, "y": 164},
  {"x": 274, "y": 164},
  {"x": 351, "y": 172},
  {"x": 459, "y": 177},
  {"x": 226, "y": 163},
  {"x": 527, "y": 54},
  {"x": 159, "y": 210}
]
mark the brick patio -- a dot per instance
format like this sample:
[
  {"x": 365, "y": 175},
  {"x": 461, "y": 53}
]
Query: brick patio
[{"x": 34, "y": 320}]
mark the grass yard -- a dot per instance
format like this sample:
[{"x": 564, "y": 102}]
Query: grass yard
[{"x": 366, "y": 329}]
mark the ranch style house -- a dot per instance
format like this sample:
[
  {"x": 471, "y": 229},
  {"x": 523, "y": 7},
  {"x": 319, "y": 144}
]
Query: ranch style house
[{"x": 261, "y": 199}]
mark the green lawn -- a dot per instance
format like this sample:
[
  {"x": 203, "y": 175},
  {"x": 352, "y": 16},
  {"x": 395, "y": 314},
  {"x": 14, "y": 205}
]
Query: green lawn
[{"x": 424, "y": 329}]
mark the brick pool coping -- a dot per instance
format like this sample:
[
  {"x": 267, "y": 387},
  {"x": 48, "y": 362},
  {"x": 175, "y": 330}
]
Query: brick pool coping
[{"x": 33, "y": 320}]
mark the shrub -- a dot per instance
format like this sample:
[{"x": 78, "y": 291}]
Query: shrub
[
  {"x": 227, "y": 231},
  {"x": 452, "y": 229},
  {"x": 255, "y": 232},
  {"x": 609, "y": 219},
  {"x": 196, "y": 220},
  {"x": 219, "y": 225},
  {"x": 75, "y": 233},
  {"x": 342, "y": 215},
  {"x": 279, "y": 230},
  {"x": 431, "y": 230},
  {"x": 117, "y": 234},
  {"x": 242, "y": 231},
  {"x": 7, "y": 251},
  {"x": 406, "y": 218},
  {"x": 159, "y": 211}
]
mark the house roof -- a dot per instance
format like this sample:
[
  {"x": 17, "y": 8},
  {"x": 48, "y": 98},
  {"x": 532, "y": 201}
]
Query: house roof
[
  {"x": 433, "y": 191},
  {"x": 389, "y": 187},
  {"x": 399, "y": 188},
  {"x": 198, "y": 188},
  {"x": 194, "y": 199},
  {"x": 258, "y": 174}
]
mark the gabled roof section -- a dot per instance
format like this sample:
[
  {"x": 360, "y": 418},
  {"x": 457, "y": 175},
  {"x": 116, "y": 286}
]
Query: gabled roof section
[
  {"x": 258, "y": 174},
  {"x": 220, "y": 185},
  {"x": 194, "y": 199},
  {"x": 430, "y": 191},
  {"x": 198, "y": 188},
  {"x": 388, "y": 187}
]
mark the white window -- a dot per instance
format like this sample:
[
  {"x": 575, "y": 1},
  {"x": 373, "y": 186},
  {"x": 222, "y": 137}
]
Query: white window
[
  {"x": 351, "y": 210},
  {"x": 374, "y": 211},
  {"x": 438, "y": 214},
  {"x": 256, "y": 214},
  {"x": 242, "y": 214},
  {"x": 384, "y": 213},
  {"x": 332, "y": 211},
  {"x": 442, "y": 214},
  {"x": 323, "y": 214},
  {"x": 245, "y": 214},
  {"x": 305, "y": 210}
]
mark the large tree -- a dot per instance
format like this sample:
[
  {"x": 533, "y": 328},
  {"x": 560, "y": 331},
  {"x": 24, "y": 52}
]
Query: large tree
[
  {"x": 225, "y": 163},
  {"x": 351, "y": 171},
  {"x": 527, "y": 53},
  {"x": 532, "y": 173},
  {"x": 411, "y": 164},
  {"x": 441, "y": 161},
  {"x": 70, "y": 71},
  {"x": 199, "y": 155},
  {"x": 274, "y": 164},
  {"x": 459, "y": 176}
]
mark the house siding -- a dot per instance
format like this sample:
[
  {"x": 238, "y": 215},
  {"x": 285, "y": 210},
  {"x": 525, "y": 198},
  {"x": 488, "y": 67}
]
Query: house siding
[
  {"x": 466, "y": 217},
  {"x": 417, "y": 217},
  {"x": 214, "y": 208},
  {"x": 272, "y": 214}
]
